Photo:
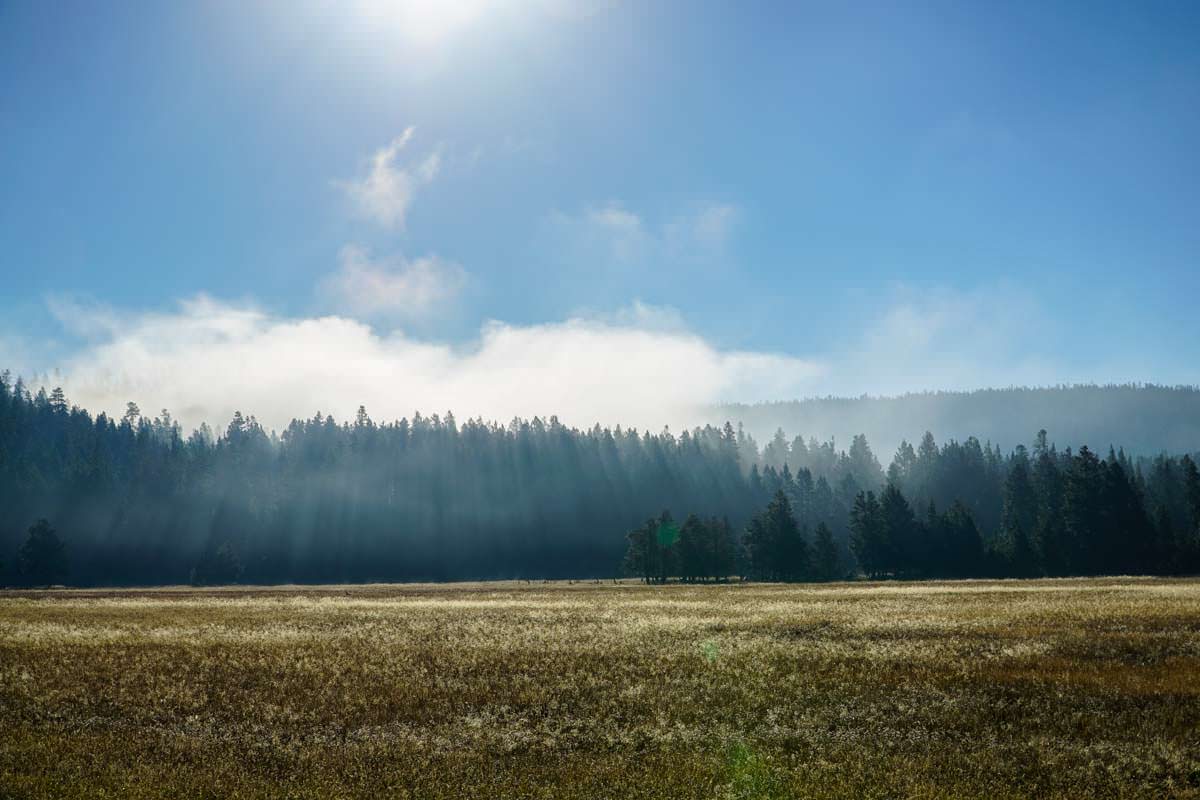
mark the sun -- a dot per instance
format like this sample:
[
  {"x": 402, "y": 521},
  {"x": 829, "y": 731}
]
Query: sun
[{"x": 426, "y": 23}]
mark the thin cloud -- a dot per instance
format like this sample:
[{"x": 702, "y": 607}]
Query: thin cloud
[
  {"x": 708, "y": 229},
  {"x": 385, "y": 193},
  {"x": 949, "y": 339},
  {"x": 615, "y": 236}
]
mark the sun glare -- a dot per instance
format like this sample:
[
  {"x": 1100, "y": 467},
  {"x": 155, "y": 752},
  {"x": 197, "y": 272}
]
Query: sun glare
[{"x": 426, "y": 22}]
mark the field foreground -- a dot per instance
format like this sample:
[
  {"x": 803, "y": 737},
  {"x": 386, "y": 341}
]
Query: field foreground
[{"x": 1087, "y": 688}]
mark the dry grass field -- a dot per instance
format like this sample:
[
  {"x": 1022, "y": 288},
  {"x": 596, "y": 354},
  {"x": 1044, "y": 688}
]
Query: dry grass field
[{"x": 1087, "y": 688}]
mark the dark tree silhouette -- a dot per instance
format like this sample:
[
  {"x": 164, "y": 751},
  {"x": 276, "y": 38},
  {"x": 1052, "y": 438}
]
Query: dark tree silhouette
[
  {"x": 218, "y": 565},
  {"x": 776, "y": 549},
  {"x": 43, "y": 557},
  {"x": 868, "y": 536},
  {"x": 825, "y": 555}
]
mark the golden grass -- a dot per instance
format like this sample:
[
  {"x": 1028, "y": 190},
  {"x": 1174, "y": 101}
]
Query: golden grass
[{"x": 1082, "y": 688}]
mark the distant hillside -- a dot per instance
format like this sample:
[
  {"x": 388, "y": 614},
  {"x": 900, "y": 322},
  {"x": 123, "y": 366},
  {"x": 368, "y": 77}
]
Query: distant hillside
[{"x": 1146, "y": 419}]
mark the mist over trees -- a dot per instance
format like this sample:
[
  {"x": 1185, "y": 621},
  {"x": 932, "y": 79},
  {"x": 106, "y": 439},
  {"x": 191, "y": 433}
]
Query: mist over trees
[
  {"x": 428, "y": 498},
  {"x": 135, "y": 501},
  {"x": 1144, "y": 418}
]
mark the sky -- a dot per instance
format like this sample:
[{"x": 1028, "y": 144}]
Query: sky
[{"x": 608, "y": 211}]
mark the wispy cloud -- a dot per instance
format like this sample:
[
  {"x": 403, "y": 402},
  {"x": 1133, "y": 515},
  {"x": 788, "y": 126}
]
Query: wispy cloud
[
  {"x": 385, "y": 193},
  {"x": 708, "y": 229},
  {"x": 392, "y": 287},
  {"x": 616, "y": 232},
  {"x": 613, "y": 236},
  {"x": 945, "y": 338}
]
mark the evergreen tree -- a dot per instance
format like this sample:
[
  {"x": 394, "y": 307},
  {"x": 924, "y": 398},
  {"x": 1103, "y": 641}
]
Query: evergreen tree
[
  {"x": 775, "y": 546},
  {"x": 1023, "y": 560},
  {"x": 904, "y": 551},
  {"x": 868, "y": 536},
  {"x": 1020, "y": 497},
  {"x": 666, "y": 534},
  {"x": 1019, "y": 518},
  {"x": 694, "y": 542},
  {"x": 1050, "y": 541},
  {"x": 642, "y": 556},
  {"x": 58, "y": 401},
  {"x": 862, "y": 464},
  {"x": 1126, "y": 540},
  {"x": 825, "y": 555},
  {"x": 722, "y": 548},
  {"x": 43, "y": 557},
  {"x": 965, "y": 555},
  {"x": 901, "y": 470},
  {"x": 1170, "y": 562},
  {"x": 1084, "y": 514},
  {"x": 1190, "y": 544},
  {"x": 218, "y": 565}
]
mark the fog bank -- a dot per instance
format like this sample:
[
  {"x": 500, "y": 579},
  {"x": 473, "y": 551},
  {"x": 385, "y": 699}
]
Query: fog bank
[{"x": 209, "y": 358}]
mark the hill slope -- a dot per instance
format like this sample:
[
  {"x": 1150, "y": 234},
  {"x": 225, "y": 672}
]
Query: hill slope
[{"x": 1145, "y": 419}]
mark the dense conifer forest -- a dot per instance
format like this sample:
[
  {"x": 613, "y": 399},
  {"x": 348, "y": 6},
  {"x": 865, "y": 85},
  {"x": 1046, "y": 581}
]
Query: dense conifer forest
[{"x": 137, "y": 501}]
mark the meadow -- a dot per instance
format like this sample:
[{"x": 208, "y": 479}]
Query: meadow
[{"x": 1054, "y": 688}]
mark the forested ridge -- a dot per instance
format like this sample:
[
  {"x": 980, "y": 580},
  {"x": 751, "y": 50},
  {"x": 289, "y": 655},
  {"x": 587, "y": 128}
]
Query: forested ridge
[
  {"x": 136, "y": 501},
  {"x": 1146, "y": 419}
]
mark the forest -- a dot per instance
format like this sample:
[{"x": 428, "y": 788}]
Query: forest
[
  {"x": 1146, "y": 418},
  {"x": 93, "y": 500}
]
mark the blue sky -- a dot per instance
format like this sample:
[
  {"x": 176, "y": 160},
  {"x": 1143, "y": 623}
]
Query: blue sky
[{"x": 814, "y": 198}]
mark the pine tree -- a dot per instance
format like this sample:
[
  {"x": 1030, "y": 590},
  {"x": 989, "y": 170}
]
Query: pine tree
[
  {"x": 825, "y": 555},
  {"x": 868, "y": 535},
  {"x": 1190, "y": 546},
  {"x": 693, "y": 546},
  {"x": 1019, "y": 517},
  {"x": 966, "y": 555},
  {"x": 1084, "y": 515},
  {"x": 722, "y": 548},
  {"x": 666, "y": 534},
  {"x": 905, "y": 550},
  {"x": 1022, "y": 558},
  {"x": 1050, "y": 540},
  {"x": 132, "y": 414},
  {"x": 43, "y": 557},
  {"x": 217, "y": 566},
  {"x": 775, "y": 546},
  {"x": 642, "y": 556},
  {"x": 1170, "y": 562},
  {"x": 58, "y": 401},
  {"x": 862, "y": 463}
]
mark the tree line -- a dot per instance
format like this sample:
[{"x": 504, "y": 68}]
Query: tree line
[
  {"x": 1055, "y": 514},
  {"x": 135, "y": 501}
]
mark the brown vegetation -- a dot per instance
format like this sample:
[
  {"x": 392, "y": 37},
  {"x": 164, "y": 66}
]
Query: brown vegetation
[{"x": 1087, "y": 688}]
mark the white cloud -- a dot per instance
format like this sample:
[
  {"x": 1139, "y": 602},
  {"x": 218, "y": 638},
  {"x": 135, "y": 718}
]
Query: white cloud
[
  {"x": 207, "y": 359},
  {"x": 641, "y": 365},
  {"x": 386, "y": 192},
  {"x": 407, "y": 289}
]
